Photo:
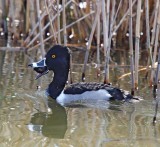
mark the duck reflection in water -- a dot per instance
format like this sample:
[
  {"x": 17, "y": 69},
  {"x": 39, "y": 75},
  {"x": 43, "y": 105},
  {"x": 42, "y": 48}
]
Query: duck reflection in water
[{"x": 50, "y": 125}]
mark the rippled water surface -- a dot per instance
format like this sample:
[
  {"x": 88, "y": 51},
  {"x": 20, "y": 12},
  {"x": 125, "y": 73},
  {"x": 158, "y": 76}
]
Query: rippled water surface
[{"x": 26, "y": 121}]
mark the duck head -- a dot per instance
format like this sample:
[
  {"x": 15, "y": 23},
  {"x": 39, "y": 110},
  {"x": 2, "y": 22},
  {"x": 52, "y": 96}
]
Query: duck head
[{"x": 57, "y": 60}]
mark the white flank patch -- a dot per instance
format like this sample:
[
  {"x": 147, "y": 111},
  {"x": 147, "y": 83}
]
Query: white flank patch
[{"x": 88, "y": 95}]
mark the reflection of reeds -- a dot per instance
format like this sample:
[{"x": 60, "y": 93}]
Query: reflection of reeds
[{"x": 8, "y": 71}]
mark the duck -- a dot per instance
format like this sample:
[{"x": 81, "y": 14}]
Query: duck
[{"x": 57, "y": 59}]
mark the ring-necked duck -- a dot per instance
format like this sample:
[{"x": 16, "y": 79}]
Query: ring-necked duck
[{"x": 57, "y": 59}]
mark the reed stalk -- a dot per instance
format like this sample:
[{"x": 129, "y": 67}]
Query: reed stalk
[
  {"x": 50, "y": 20},
  {"x": 33, "y": 22},
  {"x": 79, "y": 29},
  {"x": 156, "y": 110},
  {"x": 89, "y": 46},
  {"x": 148, "y": 35},
  {"x": 38, "y": 34},
  {"x": 147, "y": 24},
  {"x": 113, "y": 15},
  {"x": 155, "y": 45},
  {"x": 154, "y": 32},
  {"x": 157, "y": 73},
  {"x": 64, "y": 23},
  {"x": 156, "y": 90},
  {"x": 68, "y": 26},
  {"x": 119, "y": 6},
  {"x": 70, "y": 70},
  {"x": 105, "y": 17},
  {"x": 58, "y": 23},
  {"x": 123, "y": 18},
  {"x": 131, "y": 48},
  {"x": 47, "y": 25},
  {"x": 154, "y": 26},
  {"x": 40, "y": 29},
  {"x": 105, "y": 35},
  {"x": 4, "y": 16},
  {"x": 34, "y": 26},
  {"x": 12, "y": 49},
  {"x": 27, "y": 20},
  {"x": 88, "y": 21},
  {"x": 12, "y": 16},
  {"x": 137, "y": 35},
  {"x": 111, "y": 27},
  {"x": 98, "y": 37}
]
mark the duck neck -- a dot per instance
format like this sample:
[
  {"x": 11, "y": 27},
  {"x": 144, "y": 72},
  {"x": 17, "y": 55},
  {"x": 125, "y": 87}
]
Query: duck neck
[{"x": 58, "y": 83}]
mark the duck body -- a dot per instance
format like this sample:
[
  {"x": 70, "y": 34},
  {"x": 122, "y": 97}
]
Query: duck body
[
  {"x": 91, "y": 91},
  {"x": 58, "y": 60}
]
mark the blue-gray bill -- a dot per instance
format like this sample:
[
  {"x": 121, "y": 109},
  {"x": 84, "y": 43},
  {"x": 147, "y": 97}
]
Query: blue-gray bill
[{"x": 40, "y": 67}]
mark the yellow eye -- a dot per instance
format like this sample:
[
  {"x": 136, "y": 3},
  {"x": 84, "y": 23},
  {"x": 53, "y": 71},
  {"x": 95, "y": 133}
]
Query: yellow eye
[{"x": 53, "y": 56}]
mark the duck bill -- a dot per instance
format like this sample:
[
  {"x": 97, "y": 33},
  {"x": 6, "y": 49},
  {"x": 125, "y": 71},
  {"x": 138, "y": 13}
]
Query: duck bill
[
  {"x": 40, "y": 67},
  {"x": 41, "y": 74}
]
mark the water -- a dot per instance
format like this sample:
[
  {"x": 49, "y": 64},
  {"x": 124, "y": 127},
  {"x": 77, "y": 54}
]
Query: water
[{"x": 26, "y": 122}]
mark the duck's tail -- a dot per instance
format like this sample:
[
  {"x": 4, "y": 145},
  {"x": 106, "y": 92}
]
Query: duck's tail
[{"x": 131, "y": 98}]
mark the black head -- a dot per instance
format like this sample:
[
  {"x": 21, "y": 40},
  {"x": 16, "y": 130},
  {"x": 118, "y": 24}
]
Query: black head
[{"x": 57, "y": 59}]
